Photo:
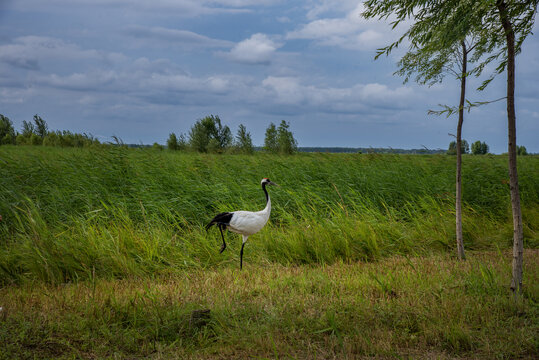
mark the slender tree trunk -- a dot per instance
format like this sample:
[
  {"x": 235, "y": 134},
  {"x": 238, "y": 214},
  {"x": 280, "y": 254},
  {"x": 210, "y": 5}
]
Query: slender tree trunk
[
  {"x": 518, "y": 236},
  {"x": 458, "y": 196}
]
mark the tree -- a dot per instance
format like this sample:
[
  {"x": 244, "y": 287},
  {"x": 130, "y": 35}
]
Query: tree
[
  {"x": 28, "y": 129},
  {"x": 182, "y": 142},
  {"x": 7, "y": 132},
  {"x": 464, "y": 147},
  {"x": 270, "y": 140},
  {"x": 501, "y": 28},
  {"x": 441, "y": 41},
  {"x": 517, "y": 19},
  {"x": 484, "y": 148},
  {"x": 479, "y": 148},
  {"x": 244, "y": 143},
  {"x": 210, "y": 129},
  {"x": 172, "y": 142},
  {"x": 41, "y": 128},
  {"x": 521, "y": 150},
  {"x": 285, "y": 139}
]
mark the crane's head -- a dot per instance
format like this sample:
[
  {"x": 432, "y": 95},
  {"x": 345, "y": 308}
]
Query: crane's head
[{"x": 266, "y": 181}]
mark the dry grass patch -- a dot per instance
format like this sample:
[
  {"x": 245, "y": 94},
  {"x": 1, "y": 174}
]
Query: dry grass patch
[{"x": 416, "y": 307}]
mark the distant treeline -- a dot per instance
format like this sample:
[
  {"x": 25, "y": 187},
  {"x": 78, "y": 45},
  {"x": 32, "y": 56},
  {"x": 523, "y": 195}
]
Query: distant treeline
[
  {"x": 209, "y": 135},
  {"x": 362, "y": 150},
  {"x": 37, "y": 133}
]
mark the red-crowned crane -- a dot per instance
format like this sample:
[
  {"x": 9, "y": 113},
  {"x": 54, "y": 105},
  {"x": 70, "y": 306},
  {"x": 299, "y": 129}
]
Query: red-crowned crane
[{"x": 245, "y": 223}]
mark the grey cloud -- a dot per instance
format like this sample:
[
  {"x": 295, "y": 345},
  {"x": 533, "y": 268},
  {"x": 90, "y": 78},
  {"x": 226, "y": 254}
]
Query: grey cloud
[
  {"x": 176, "y": 36},
  {"x": 20, "y": 62}
]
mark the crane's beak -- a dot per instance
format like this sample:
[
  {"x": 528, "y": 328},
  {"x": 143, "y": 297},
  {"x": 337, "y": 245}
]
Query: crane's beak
[{"x": 274, "y": 184}]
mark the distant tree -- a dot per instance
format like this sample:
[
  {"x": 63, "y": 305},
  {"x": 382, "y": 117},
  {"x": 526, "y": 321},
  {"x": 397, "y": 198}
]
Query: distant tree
[
  {"x": 52, "y": 139},
  {"x": 484, "y": 148},
  {"x": 207, "y": 129},
  {"x": 244, "y": 143},
  {"x": 35, "y": 140},
  {"x": 476, "y": 148},
  {"x": 182, "y": 142},
  {"x": 200, "y": 134},
  {"x": 7, "y": 132},
  {"x": 28, "y": 129},
  {"x": 213, "y": 146},
  {"x": 172, "y": 142},
  {"x": 157, "y": 146},
  {"x": 285, "y": 139},
  {"x": 521, "y": 150},
  {"x": 270, "y": 140},
  {"x": 479, "y": 148},
  {"x": 464, "y": 147},
  {"x": 41, "y": 128},
  {"x": 224, "y": 135}
]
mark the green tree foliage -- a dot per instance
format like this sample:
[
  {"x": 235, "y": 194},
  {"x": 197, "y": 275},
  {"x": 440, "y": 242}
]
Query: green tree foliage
[
  {"x": 172, "y": 142},
  {"x": 244, "y": 142},
  {"x": 521, "y": 150},
  {"x": 40, "y": 127},
  {"x": 35, "y": 140},
  {"x": 464, "y": 147},
  {"x": 441, "y": 38},
  {"x": 28, "y": 129},
  {"x": 285, "y": 139},
  {"x": 69, "y": 139},
  {"x": 479, "y": 148},
  {"x": 501, "y": 27},
  {"x": 209, "y": 135},
  {"x": 7, "y": 132},
  {"x": 271, "y": 144},
  {"x": 182, "y": 142}
]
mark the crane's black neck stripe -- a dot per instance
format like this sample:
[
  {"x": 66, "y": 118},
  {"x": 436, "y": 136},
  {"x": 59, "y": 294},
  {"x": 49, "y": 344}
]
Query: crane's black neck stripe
[{"x": 265, "y": 192}]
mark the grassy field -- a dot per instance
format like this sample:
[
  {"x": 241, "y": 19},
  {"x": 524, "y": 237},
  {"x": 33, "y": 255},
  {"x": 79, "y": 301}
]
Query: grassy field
[{"x": 103, "y": 253}]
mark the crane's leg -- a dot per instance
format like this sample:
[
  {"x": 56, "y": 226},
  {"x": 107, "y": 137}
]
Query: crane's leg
[
  {"x": 241, "y": 251},
  {"x": 223, "y": 247}
]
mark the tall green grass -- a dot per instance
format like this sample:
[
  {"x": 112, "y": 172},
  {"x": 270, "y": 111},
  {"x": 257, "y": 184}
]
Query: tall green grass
[{"x": 71, "y": 214}]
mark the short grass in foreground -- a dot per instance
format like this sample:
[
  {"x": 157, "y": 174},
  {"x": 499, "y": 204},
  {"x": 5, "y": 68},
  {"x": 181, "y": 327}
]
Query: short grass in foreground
[{"x": 427, "y": 307}]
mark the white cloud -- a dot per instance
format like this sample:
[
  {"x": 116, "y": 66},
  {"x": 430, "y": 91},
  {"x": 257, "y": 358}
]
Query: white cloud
[
  {"x": 258, "y": 49},
  {"x": 350, "y": 31},
  {"x": 285, "y": 90}
]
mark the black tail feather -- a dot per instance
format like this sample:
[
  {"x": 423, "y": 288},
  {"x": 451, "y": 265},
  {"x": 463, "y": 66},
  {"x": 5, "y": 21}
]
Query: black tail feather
[{"x": 221, "y": 218}]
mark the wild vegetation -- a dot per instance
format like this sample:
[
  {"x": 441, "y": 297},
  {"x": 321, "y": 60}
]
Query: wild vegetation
[
  {"x": 110, "y": 245},
  {"x": 38, "y": 133}
]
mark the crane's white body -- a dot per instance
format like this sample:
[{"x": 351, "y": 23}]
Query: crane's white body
[
  {"x": 245, "y": 223},
  {"x": 248, "y": 223}
]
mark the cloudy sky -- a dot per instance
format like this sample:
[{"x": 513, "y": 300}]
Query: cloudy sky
[{"x": 142, "y": 69}]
